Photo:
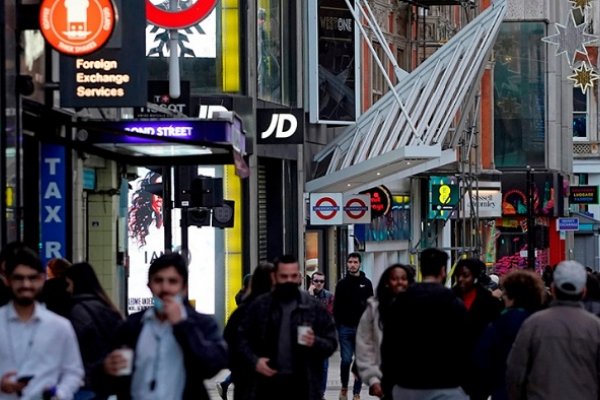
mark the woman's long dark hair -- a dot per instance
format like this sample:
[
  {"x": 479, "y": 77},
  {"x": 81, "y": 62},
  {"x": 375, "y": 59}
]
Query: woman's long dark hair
[
  {"x": 85, "y": 281},
  {"x": 261, "y": 281},
  {"x": 384, "y": 295}
]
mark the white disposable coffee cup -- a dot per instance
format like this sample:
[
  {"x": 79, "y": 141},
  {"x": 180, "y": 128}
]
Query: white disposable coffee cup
[
  {"x": 302, "y": 330},
  {"x": 127, "y": 354}
]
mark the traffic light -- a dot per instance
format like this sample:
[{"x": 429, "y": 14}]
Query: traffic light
[
  {"x": 198, "y": 216},
  {"x": 223, "y": 216},
  {"x": 206, "y": 192}
]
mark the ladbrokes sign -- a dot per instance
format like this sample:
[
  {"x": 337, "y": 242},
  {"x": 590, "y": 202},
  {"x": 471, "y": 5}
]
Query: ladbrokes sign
[{"x": 77, "y": 27}]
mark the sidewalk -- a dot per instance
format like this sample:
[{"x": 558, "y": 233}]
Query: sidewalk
[{"x": 333, "y": 383}]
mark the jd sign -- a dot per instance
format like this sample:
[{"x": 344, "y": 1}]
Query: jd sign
[{"x": 179, "y": 19}]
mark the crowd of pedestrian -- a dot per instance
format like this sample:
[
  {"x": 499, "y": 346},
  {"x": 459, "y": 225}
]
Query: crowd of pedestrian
[{"x": 467, "y": 336}]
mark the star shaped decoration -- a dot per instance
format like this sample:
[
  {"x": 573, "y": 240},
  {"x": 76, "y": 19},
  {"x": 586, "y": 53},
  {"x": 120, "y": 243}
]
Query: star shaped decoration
[
  {"x": 571, "y": 39},
  {"x": 584, "y": 77},
  {"x": 581, "y": 4}
]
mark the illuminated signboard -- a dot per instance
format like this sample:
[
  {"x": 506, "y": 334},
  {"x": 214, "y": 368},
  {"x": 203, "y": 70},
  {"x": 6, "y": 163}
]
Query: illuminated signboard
[
  {"x": 115, "y": 76},
  {"x": 381, "y": 200},
  {"x": 583, "y": 195},
  {"x": 443, "y": 196},
  {"x": 191, "y": 131},
  {"x": 53, "y": 202},
  {"x": 75, "y": 27}
]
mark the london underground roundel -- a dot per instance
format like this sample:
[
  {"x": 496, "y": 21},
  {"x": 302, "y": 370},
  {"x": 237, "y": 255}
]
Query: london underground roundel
[
  {"x": 77, "y": 27},
  {"x": 181, "y": 18}
]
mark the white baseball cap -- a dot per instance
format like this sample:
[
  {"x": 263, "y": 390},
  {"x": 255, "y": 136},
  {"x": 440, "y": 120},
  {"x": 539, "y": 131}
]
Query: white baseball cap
[{"x": 570, "y": 277}]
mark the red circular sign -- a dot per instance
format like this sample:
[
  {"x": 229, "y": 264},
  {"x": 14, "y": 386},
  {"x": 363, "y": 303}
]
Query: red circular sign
[
  {"x": 325, "y": 211},
  {"x": 77, "y": 27},
  {"x": 358, "y": 211},
  {"x": 179, "y": 19}
]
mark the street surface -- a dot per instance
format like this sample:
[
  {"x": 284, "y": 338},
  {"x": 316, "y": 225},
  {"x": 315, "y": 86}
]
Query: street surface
[{"x": 333, "y": 383}]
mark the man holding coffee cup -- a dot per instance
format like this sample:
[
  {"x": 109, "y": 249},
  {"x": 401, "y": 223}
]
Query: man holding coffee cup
[
  {"x": 167, "y": 351},
  {"x": 286, "y": 335}
]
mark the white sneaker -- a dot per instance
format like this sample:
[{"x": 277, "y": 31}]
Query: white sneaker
[{"x": 343, "y": 394}]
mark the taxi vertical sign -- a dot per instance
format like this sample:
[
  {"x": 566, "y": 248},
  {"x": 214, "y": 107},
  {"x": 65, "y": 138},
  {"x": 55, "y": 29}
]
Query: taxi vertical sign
[{"x": 53, "y": 232}]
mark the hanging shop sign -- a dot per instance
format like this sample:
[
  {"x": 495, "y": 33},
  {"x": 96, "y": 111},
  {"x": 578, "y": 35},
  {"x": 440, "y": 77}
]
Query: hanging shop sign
[
  {"x": 279, "y": 126},
  {"x": 357, "y": 209},
  {"x": 583, "y": 195},
  {"x": 326, "y": 209},
  {"x": 53, "y": 230},
  {"x": 444, "y": 195},
  {"x": 381, "y": 200},
  {"x": 115, "y": 76},
  {"x": 487, "y": 203},
  {"x": 179, "y": 19},
  {"x": 567, "y": 224},
  {"x": 158, "y": 95},
  {"x": 547, "y": 188},
  {"x": 75, "y": 27}
]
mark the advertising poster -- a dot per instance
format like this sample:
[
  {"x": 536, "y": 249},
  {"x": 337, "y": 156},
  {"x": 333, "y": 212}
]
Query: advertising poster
[
  {"x": 146, "y": 243},
  {"x": 334, "y": 96}
]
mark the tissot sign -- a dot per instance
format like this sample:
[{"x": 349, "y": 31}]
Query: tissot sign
[{"x": 279, "y": 126}]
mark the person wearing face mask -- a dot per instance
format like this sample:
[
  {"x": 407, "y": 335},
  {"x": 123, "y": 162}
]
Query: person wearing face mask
[
  {"x": 394, "y": 280},
  {"x": 285, "y": 336},
  {"x": 174, "y": 347}
]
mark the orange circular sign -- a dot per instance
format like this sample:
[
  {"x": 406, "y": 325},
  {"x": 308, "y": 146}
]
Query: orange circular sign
[{"x": 77, "y": 27}]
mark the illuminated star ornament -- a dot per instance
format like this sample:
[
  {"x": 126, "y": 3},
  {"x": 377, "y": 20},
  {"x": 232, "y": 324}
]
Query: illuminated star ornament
[
  {"x": 584, "y": 77},
  {"x": 571, "y": 39},
  {"x": 581, "y": 4}
]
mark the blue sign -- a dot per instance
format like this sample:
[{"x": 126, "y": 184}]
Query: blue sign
[
  {"x": 53, "y": 232},
  {"x": 567, "y": 224},
  {"x": 192, "y": 131}
]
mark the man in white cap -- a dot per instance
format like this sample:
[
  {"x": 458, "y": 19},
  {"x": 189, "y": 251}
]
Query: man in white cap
[{"x": 556, "y": 354}]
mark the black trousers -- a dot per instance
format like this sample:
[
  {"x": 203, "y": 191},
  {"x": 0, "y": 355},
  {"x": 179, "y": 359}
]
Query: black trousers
[{"x": 278, "y": 387}]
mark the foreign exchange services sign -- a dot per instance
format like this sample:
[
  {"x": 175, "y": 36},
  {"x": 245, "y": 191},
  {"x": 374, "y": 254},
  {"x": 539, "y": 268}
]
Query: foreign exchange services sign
[{"x": 115, "y": 76}]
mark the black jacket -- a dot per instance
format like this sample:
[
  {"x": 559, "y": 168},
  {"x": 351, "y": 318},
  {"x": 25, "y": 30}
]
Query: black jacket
[
  {"x": 485, "y": 309},
  {"x": 424, "y": 339},
  {"x": 350, "y": 301},
  {"x": 259, "y": 337},
  {"x": 204, "y": 351},
  {"x": 4, "y": 293},
  {"x": 241, "y": 372},
  {"x": 94, "y": 323}
]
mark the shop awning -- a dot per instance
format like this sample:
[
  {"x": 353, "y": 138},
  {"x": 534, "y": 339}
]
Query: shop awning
[
  {"x": 415, "y": 128},
  {"x": 587, "y": 223},
  {"x": 220, "y": 140}
]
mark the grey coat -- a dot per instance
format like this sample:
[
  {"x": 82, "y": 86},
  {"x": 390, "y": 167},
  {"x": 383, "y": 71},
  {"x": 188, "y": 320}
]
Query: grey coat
[{"x": 556, "y": 355}]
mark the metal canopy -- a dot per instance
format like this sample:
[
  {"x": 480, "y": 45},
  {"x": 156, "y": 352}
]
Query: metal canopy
[
  {"x": 383, "y": 146},
  {"x": 220, "y": 140},
  {"x": 428, "y": 3}
]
